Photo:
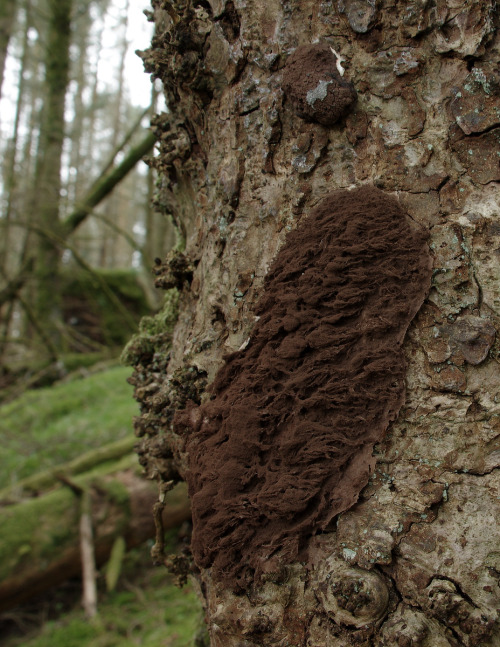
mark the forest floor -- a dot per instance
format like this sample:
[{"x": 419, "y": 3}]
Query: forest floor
[{"x": 46, "y": 427}]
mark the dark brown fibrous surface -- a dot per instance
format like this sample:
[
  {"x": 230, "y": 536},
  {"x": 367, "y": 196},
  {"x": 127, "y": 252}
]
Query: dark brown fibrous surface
[
  {"x": 285, "y": 443},
  {"x": 314, "y": 86}
]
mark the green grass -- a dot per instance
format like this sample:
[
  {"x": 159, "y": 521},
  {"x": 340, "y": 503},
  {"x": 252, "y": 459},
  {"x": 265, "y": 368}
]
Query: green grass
[
  {"x": 127, "y": 619},
  {"x": 53, "y": 425}
]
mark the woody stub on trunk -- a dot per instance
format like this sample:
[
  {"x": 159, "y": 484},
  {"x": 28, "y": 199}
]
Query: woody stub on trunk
[{"x": 332, "y": 392}]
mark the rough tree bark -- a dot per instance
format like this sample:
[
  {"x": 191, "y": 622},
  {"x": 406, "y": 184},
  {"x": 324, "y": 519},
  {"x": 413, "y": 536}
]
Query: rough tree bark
[{"x": 250, "y": 153}]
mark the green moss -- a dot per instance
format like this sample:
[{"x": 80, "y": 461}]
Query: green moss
[
  {"x": 36, "y": 527},
  {"x": 115, "y": 490},
  {"x": 49, "y": 426},
  {"x": 165, "y": 319},
  {"x": 74, "y": 633},
  {"x": 127, "y": 620},
  {"x": 105, "y": 305},
  {"x": 74, "y": 361},
  {"x": 126, "y": 283},
  {"x": 154, "y": 332},
  {"x": 33, "y": 530}
]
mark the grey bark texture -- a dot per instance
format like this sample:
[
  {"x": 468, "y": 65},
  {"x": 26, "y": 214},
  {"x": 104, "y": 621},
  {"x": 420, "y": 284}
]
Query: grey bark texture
[{"x": 416, "y": 560}]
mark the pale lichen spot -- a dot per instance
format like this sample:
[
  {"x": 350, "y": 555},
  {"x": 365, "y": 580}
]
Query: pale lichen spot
[{"x": 319, "y": 92}]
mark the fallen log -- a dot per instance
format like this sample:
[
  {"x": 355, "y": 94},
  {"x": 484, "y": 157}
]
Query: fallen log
[
  {"x": 37, "y": 483},
  {"x": 40, "y": 543}
]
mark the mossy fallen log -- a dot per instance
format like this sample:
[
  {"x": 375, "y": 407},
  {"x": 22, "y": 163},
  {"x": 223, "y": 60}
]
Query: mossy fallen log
[
  {"x": 40, "y": 482},
  {"x": 39, "y": 545}
]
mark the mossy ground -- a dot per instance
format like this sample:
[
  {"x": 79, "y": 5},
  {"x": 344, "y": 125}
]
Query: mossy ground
[{"x": 49, "y": 426}]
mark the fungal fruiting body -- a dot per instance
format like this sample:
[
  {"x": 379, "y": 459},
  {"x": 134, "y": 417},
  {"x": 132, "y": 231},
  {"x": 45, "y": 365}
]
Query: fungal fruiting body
[
  {"x": 314, "y": 84},
  {"x": 285, "y": 443}
]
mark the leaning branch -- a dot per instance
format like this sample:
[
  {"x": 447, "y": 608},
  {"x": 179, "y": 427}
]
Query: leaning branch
[
  {"x": 106, "y": 184},
  {"x": 35, "y": 484},
  {"x": 60, "y": 241},
  {"x": 118, "y": 230},
  {"x": 13, "y": 287},
  {"x": 125, "y": 141}
]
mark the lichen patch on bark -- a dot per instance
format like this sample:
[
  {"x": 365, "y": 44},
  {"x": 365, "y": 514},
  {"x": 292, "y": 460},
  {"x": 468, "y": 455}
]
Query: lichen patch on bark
[{"x": 285, "y": 444}]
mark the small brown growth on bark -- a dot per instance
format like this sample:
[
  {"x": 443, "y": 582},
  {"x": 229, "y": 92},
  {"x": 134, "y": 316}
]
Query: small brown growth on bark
[
  {"x": 286, "y": 443},
  {"x": 314, "y": 86},
  {"x": 175, "y": 272}
]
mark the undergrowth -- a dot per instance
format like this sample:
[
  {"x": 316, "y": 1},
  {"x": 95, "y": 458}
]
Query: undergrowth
[
  {"x": 49, "y": 426},
  {"x": 146, "y": 609}
]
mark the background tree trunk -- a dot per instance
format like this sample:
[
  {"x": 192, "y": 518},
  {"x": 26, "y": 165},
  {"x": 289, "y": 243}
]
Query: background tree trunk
[
  {"x": 415, "y": 561},
  {"x": 78, "y": 177},
  {"x": 7, "y": 13},
  {"x": 47, "y": 304},
  {"x": 12, "y": 156}
]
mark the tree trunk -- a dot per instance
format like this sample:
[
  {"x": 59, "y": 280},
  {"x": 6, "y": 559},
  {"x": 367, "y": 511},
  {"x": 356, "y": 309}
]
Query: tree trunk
[
  {"x": 114, "y": 205},
  {"x": 7, "y": 14},
  {"x": 78, "y": 179},
  {"x": 14, "y": 169},
  {"x": 355, "y": 503},
  {"x": 47, "y": 303},
  {"x": 10, "y": 173}
]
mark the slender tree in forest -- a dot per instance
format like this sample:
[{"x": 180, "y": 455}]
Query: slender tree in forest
[
  {"x": 116, "y": 113},
  {"x": 7, "y": 15},
  {"x": 47, "y": 305},
  {"x": 332, "y": 392},
  {"x": 92, "y": 80},
  {"x": 78, "y": 178},
  {"x": 17, "y": 176},
  {"x": 10, "y": 178}
]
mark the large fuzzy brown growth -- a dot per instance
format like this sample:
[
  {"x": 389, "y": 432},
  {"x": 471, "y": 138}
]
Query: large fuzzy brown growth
[{"x": 285, "y": 444}]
